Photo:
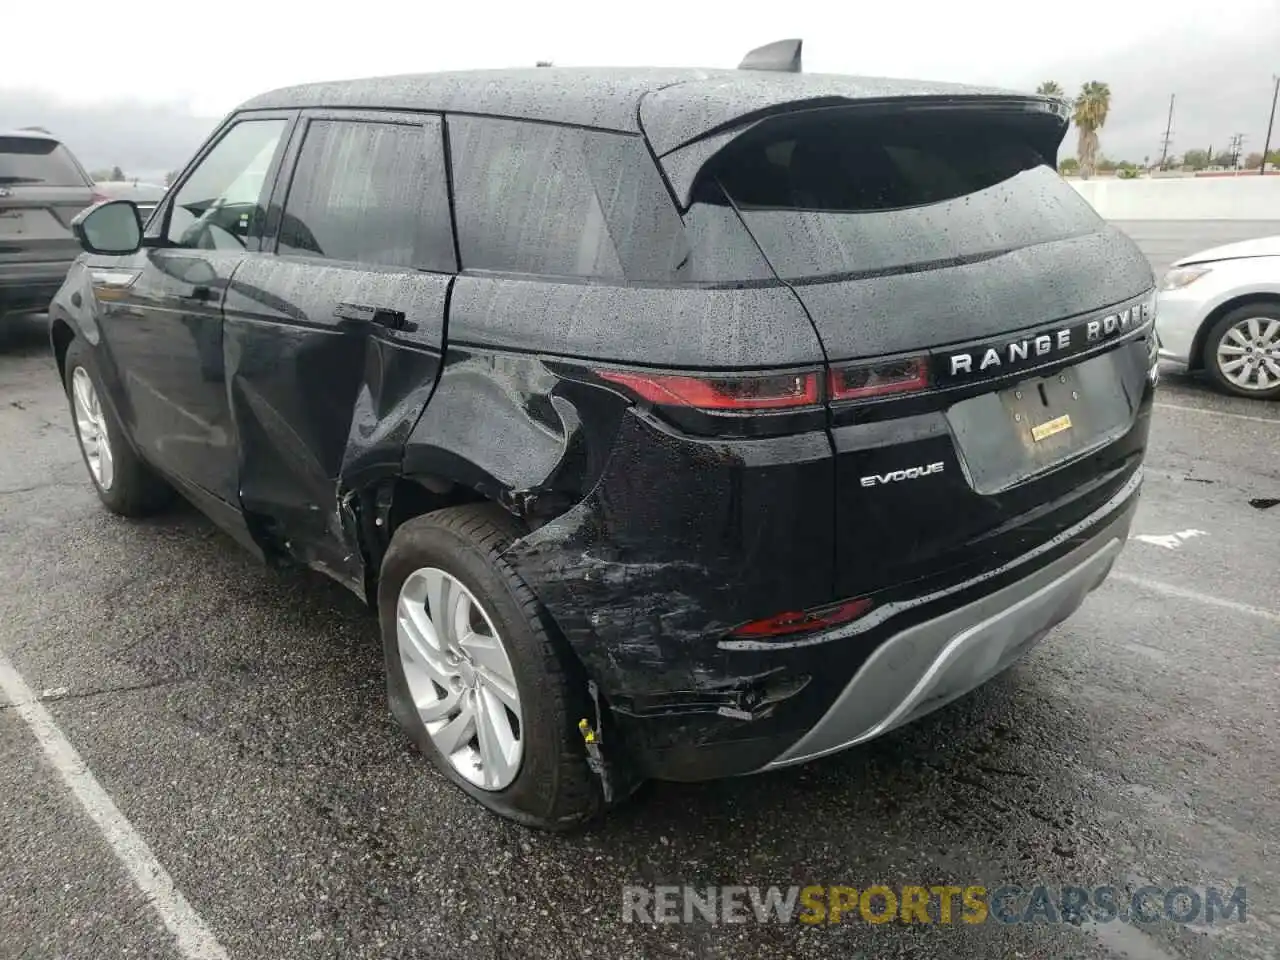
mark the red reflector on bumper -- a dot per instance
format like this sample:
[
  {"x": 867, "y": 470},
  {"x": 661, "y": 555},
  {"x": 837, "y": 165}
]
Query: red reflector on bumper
[{"x": 806, "y": 621}]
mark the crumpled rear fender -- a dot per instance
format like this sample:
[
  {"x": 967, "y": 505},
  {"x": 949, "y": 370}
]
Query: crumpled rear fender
[{"x": 516, "y": 429}]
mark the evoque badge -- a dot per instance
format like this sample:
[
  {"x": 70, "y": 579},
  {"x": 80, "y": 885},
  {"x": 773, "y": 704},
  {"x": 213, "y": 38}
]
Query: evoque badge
[{"x": 911, "y": 473}]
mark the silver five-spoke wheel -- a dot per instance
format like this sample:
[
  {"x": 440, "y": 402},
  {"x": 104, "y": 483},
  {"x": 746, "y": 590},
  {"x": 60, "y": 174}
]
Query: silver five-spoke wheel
[
  {"x": 1249, "y": 353},
  {"x": 91, "y": 428},
  {"x": 460, "y": 678}
]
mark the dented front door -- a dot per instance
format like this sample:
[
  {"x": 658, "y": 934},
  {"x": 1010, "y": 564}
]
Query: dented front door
[{"x": 334, "y": 333}]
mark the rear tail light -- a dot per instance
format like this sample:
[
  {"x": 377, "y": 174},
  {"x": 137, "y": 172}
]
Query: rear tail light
[
  {"x": 861, "y": 380},
  {"x": 804, "y": 621},
  {"x": 778, "y": 391},
  {"x": 772, "y": 392}
]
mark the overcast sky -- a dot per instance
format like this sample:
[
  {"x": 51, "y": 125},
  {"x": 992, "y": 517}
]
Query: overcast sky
[{"x": 209, "y": 56}]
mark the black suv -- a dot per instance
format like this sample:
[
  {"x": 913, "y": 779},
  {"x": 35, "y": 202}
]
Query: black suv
[
  {"x": 679, "y": 423},
  {"x": 42, "y": 187}
]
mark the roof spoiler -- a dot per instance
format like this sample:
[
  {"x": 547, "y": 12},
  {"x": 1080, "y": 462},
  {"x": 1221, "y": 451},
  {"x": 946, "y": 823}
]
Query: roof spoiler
[{"x": 781, "y": 55}]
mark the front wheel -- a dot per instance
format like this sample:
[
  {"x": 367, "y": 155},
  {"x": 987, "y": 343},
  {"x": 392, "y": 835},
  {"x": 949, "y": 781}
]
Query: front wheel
[
  {"x": 1242, "y": 351},
  {"x": 125, "y": 484},
  {"x": 474, "y": 675}
]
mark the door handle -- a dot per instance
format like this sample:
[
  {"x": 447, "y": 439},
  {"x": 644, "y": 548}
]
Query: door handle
[{"x": 366, "y": 313}]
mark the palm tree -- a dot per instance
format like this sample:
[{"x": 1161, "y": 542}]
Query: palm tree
[
  {"x": 1091, "y": 109},
  {"x": 1050, "y": 88}
]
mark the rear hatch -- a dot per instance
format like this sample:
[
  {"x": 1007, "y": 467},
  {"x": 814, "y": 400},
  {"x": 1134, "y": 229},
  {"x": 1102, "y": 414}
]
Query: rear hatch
[
  {"x": 42, "y": 188},
  {"x": 985, "y": 332}
]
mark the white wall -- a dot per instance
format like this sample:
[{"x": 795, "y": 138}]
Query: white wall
[{"x": 1188, "y": 198}]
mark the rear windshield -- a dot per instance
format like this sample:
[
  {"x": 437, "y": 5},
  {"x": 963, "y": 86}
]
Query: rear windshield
[
  {"x": 35, "y": 160},
  {"x": 838, "y": 195}
]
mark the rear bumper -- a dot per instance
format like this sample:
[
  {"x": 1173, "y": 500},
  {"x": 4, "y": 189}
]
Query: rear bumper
[
  {"x": 645, "y": 589},
  {"x": 930, "y": 664},
  {"x": 31, "y": 283}
]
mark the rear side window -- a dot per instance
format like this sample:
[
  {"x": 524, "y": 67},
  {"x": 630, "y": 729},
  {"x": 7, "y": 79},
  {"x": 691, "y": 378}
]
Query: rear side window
[
  {"x": 557, "y": 201},
  {"x": 36, "y": 161},
  {"x": 834, "y": 193},
  {"x": 525, "y": 201},
  {"x": 371, "y": 193}
]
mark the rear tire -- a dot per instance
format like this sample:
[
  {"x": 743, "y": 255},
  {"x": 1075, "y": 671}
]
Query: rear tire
[
  {"x": 125, "y": 484},
  {"x": 553, "y": 788},
  {"x": 1242, "y": 343}
]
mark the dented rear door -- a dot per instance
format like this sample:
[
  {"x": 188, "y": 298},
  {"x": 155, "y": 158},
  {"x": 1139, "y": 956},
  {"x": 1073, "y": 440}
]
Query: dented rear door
[{"x": 334, "y": 333}]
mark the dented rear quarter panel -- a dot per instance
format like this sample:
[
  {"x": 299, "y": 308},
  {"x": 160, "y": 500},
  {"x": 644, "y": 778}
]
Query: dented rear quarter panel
[{"x": 645, "y": 542}]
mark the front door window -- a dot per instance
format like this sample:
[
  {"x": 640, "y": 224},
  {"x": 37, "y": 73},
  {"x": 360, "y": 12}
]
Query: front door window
[{"x": 220, "y": 205}]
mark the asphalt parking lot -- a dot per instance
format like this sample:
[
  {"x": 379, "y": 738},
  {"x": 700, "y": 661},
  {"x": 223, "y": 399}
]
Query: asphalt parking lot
[{"x": 232, "y": 718}]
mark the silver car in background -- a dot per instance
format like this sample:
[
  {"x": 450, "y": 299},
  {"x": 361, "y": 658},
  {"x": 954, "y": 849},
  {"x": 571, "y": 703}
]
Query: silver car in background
[
  {"x": 144, "y": 195},
  {"x": 1219, "y": 311}
]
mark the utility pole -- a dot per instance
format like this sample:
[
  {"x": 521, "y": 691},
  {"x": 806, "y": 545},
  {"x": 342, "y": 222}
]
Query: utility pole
[
  {"x": 1237, "y": 142},
  {"x": 1168, "y": 129},
  {"x": 1270, "y": 122}
]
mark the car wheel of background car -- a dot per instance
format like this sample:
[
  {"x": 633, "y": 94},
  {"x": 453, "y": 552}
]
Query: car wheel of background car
[
  {"x": 476, "y": 675},
  {"x": 125, "y": 484},
  {"x": 1242, "y": 351}
]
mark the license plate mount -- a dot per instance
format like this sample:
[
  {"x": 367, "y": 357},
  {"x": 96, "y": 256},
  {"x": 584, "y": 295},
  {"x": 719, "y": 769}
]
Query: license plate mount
[
  {"x": 1041, "y": 412},
  {"x": 1039, "y": 423}
]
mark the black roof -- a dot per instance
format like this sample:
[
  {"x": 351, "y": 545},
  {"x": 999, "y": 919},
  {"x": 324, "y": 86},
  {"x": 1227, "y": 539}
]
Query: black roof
[{"x": 674, "y": 105}]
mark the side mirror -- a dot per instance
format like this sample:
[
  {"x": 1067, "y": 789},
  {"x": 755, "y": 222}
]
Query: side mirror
[{"x": 113, "y": 228}]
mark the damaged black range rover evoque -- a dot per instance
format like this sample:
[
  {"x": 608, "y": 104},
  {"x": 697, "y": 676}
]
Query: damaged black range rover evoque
[{"x": 678, "y": 423}]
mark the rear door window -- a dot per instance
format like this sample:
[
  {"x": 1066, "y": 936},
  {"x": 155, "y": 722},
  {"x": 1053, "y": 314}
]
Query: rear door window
[
  {"x": 37, "y": 161},
  {"x": 830, "y": 194},
  {"x": 371, "y": 193}
]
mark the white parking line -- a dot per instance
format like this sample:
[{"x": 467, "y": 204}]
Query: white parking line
[
  {"x": 1216, "y": 413},
  {"x": 194, "y": 940},
  {"x": 1168, "y": 589}
]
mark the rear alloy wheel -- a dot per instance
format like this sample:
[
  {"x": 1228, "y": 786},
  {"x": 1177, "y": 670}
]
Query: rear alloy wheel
[
  {"x": 1242, "y": 351},
  {"x": 476, "y": 674},
  {"x": 460, "y": 678}
]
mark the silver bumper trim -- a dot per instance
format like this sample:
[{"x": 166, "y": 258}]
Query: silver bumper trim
[
  {"x": 1173, "y": 356},
  {"x": 928, "y": 665}
]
